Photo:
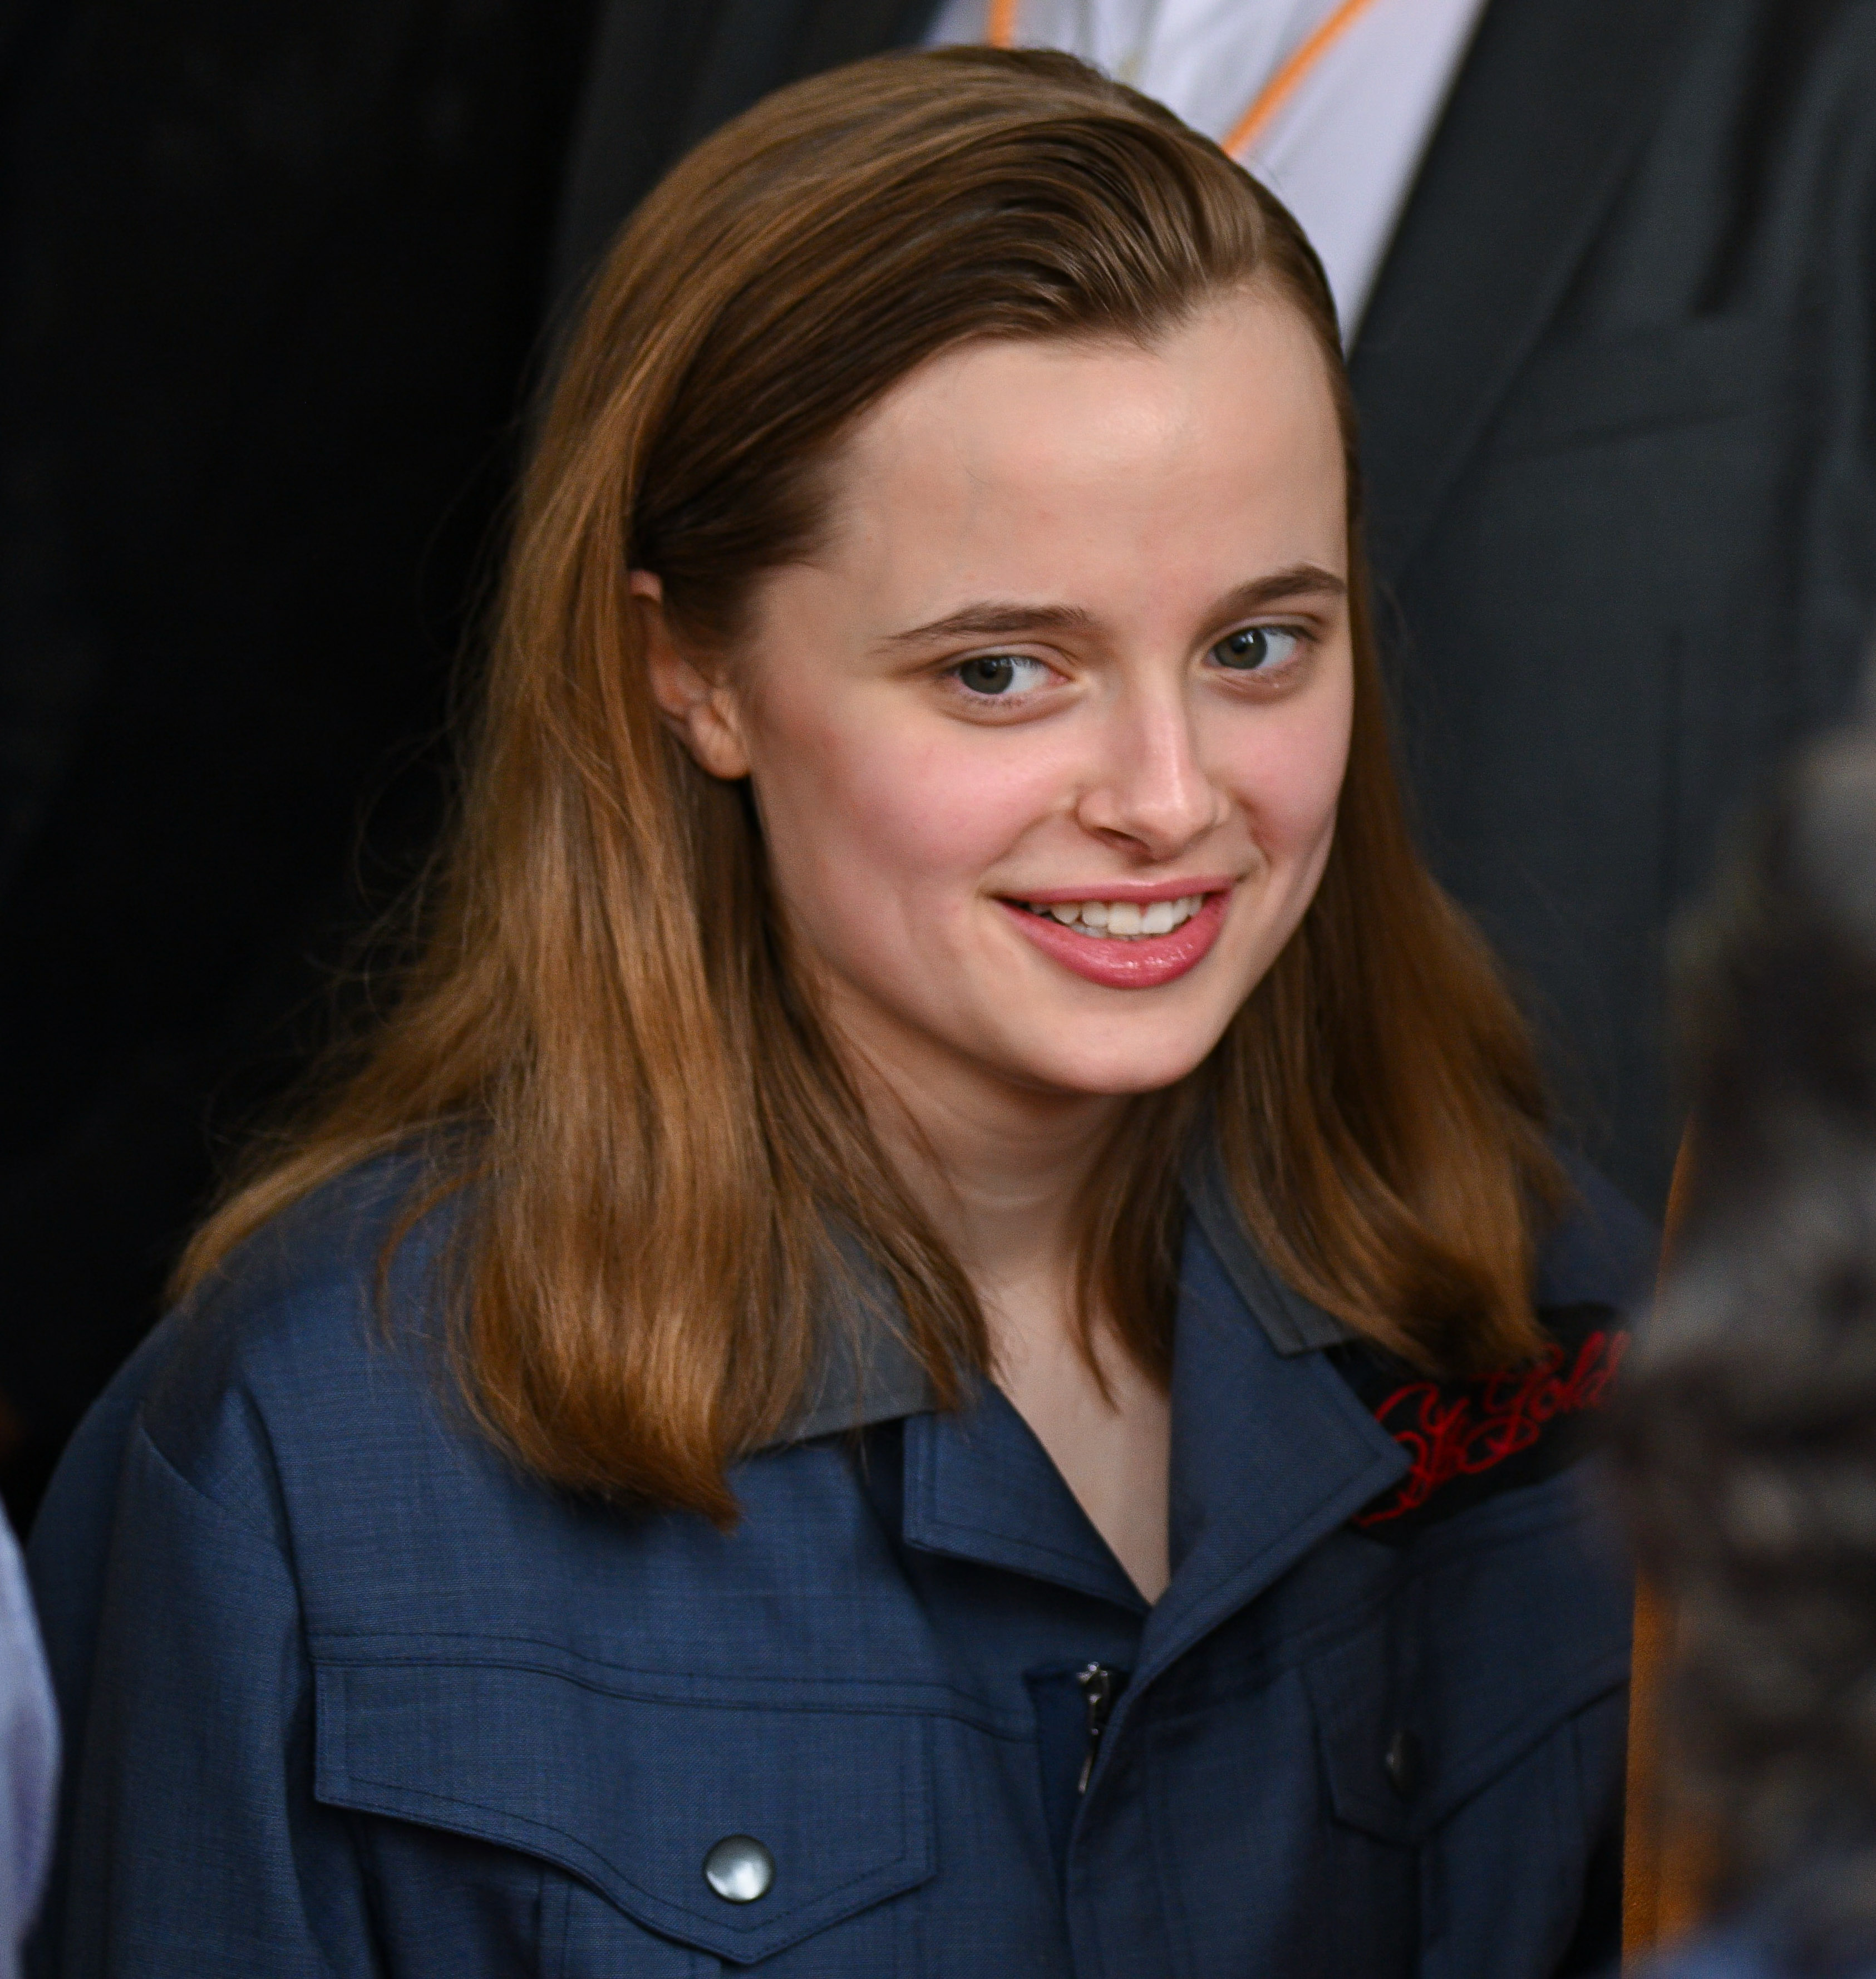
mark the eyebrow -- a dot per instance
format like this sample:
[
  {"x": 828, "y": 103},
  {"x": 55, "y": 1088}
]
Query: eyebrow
[
  {"x": 991, "y": 620},
  {"x": 1300, "y": 580},
  {"x": 994, "y": 619}
]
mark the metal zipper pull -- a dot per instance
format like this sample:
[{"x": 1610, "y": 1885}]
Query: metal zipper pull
[{"x": 1098, "y": 1692}]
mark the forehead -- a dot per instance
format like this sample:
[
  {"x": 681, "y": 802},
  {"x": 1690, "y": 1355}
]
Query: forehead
[{"x": 1220, "y": 436}]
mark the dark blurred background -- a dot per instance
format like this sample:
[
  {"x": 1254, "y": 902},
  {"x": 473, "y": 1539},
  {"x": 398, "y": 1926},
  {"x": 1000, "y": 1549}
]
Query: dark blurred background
[
  {"x": 275, "y": 279},
  {"x": 277, "y": 276}
]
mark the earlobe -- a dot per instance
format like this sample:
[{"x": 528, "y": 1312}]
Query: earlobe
[{"x": 698, "y": 705}]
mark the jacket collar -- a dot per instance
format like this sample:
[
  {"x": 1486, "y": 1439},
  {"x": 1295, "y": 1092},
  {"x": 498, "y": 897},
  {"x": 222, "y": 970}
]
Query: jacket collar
[
  {"x": 872, "y": 1375},
  {"x": 1272, "y": 1452},
  {"x": 1294, "y": 1324},
  {"x": 978, "y": 1486},
  {"x": 1551, "y": 106},
  {"x": 1601, "y": 1253}
]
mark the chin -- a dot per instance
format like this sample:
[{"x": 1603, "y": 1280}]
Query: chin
[{"x": 1120, "y": 1073}]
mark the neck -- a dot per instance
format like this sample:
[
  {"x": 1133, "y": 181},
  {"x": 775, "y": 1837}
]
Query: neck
[
  {"x": 999, "y": 1173},
  {"x": 997, "y": 1166}
]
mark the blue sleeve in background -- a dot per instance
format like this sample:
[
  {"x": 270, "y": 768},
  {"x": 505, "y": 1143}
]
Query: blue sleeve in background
[{"x": 28, "y": 1758}]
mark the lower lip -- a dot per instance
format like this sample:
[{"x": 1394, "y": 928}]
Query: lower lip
[{"x": 1141, "y": 962}]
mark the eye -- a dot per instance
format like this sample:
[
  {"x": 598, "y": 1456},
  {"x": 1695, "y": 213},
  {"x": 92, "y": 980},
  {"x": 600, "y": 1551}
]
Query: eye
[
  {"x": 1255, "y": 648},
  {"x": 997, "y": 675}
]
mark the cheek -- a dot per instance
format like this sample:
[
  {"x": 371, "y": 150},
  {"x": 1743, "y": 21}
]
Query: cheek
[
  {"x": 1286, "y": 771},
  {"x": 917, "y": 812}
]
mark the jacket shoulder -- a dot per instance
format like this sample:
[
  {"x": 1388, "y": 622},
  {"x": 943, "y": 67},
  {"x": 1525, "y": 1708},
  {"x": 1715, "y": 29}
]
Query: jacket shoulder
[
  {"x": 329, "y": 1315},
  {"x": 1602, "y": 1251}
]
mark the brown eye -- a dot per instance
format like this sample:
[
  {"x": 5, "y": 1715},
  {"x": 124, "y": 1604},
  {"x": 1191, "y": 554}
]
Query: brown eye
[
  {"x": 996, "y": 674},
  {"x": 1255, "y": 648},
  {"x": 993, "y": 675}
]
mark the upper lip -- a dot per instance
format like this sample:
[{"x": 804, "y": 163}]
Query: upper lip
[{"x": 1143, "y": 891}]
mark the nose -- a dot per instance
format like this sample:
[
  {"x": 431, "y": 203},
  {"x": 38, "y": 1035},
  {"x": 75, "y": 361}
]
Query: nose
[{"x": 1150, "y": 796}]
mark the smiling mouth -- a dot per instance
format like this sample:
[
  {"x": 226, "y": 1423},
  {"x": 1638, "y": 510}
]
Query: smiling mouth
[{"x": 1119, "y": 920}]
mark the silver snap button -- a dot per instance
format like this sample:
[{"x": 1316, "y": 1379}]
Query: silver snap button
[{"x": 739, "y": 1869}]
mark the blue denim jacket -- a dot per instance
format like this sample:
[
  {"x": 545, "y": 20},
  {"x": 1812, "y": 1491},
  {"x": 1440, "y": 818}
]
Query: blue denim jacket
[{"x": 347, "y": 1694}]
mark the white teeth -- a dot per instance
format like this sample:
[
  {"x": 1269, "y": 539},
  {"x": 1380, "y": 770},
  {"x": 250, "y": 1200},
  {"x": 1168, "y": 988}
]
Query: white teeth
[{"x": 1104, "y": 919}]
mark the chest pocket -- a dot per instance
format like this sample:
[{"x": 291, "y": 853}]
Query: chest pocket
[
  {"x": 1481, "y": 1720},
  {"x": 733, "y": 1830},
  {"x": 1477, "y": 1662}
]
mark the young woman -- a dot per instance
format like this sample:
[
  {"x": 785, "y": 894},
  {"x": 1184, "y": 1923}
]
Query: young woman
[{"x": 940, "y": 1335}]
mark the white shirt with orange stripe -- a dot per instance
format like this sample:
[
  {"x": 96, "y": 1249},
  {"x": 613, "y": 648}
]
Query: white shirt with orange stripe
[{"x": 1357, "y": 99}]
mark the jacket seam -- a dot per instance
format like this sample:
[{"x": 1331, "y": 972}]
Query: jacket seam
[
  {"x": 270, "y": 1538},
  {"x": 961, "y": 1711}
]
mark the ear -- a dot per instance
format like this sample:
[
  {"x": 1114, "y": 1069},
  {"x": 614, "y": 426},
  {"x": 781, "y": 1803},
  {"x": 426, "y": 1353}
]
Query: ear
[{"x": 699, "y": 704}]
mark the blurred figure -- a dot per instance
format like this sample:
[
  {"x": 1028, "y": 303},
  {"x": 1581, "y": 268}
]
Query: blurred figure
[
  {"x": 1747, "y": 1431},
  {"x": 29, "y": 1757}
]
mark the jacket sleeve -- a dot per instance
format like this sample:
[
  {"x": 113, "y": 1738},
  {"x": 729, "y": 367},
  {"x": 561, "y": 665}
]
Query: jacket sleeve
[{"x": 192, "y": 1846}]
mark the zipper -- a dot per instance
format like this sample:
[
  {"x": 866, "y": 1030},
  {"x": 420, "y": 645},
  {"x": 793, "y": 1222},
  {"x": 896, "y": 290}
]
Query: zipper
[{"x": 1099, "y": 1690}]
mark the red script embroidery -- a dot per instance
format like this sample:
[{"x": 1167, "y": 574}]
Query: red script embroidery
[{"x": 1450, "y": 1435}]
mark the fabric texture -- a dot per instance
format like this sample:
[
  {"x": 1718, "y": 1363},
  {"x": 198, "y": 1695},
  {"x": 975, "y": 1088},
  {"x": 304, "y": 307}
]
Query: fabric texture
[{"x": 349, "y": 1694}]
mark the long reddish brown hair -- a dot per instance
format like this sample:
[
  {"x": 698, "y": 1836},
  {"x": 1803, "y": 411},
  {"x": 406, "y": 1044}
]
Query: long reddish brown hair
[{"x": 601, "y": 1033}]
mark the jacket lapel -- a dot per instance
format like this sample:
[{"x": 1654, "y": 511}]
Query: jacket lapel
[
  {"x": 1272, "y": 1451},
  {"x": 980, "y": 1486},
  {"x": 1551, "y": 106}
]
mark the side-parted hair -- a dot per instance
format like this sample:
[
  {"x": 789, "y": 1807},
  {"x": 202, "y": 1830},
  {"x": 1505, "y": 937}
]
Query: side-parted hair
[{"x": 602, "y": 1039}]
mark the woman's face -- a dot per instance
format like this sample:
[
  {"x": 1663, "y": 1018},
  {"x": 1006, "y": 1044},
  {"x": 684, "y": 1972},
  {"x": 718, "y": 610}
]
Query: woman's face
[{"x": 1046, "y": 740}]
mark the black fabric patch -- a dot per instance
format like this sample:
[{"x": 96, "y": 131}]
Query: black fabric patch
[{"x": 1470, "y": 1440}]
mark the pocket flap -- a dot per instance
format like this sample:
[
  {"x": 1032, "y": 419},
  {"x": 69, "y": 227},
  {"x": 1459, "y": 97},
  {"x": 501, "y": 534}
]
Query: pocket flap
[
  {"x": 1477, "y": 1661},
  {"x": 631, "y": 1791}
]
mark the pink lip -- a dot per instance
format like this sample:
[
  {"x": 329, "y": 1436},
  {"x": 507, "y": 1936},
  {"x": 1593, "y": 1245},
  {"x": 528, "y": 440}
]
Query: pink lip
[{"x": 1143, "y": 961}]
